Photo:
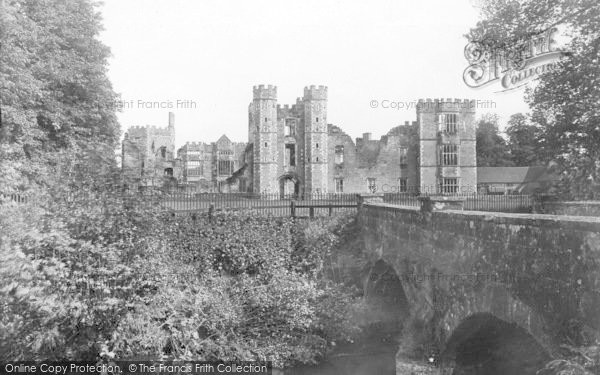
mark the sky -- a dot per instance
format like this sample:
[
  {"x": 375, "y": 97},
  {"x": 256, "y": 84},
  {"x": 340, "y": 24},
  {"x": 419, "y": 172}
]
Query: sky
[{"x": 200, "y": 60}]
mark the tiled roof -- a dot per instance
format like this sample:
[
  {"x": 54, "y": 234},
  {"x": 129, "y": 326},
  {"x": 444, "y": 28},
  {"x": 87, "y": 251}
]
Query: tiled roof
[{"x": 512, "y": 175}]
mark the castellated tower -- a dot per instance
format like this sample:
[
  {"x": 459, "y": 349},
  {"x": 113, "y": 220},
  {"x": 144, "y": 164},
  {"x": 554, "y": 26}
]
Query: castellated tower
[
  {"x": 263, "y": 134},
  {"x": 447, "y": 152},
  {"x": 315, "y": 141}
]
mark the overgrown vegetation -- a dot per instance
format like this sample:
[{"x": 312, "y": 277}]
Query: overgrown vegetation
[
  {"x": 88, "y": 269},
  {"x": 108, "y": 274}
]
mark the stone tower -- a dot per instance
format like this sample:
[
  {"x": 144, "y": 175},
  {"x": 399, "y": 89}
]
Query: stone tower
[
  {"x": 447, "y": 152},
  {"x": 263, "y": 131},
  {"x": 315, "y": 142}
]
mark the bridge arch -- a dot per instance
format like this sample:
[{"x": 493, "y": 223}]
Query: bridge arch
[
  {"x": 384, "y": 295},
  {"x": 483, "y": 344}
]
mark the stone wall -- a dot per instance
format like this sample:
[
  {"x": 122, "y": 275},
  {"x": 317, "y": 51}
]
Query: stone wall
[
  {"x": 579, "y": 208},
  {"x": 540, "y": 272},
  {"x": 377, "y": 159}
]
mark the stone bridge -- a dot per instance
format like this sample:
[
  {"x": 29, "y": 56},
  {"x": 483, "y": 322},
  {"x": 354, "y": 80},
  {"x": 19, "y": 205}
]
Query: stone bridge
[{"x": 491, "y": 293}]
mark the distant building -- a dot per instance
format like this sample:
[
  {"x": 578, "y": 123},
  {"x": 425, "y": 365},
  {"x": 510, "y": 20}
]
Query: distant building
[
  {"x": 294, "y": 150},
  {"x": 513, "y": 180},
  {"x": 148, "y": 155},
  {"x": 206, "y": 166}
]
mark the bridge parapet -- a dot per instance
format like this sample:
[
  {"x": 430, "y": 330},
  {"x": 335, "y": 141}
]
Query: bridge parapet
[{"x": 538, "y": 272}]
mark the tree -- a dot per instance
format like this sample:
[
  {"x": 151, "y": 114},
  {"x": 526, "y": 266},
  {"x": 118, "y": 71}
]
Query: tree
[
  {"x": 566, "y": 101},
  {"x": 524, "y": 141},
  {"x": 56, "y": 95},
  {"x": 492, "y": 150}
]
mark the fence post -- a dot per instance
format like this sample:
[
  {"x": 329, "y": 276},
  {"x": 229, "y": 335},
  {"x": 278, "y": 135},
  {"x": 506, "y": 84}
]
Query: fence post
[
  {"x": 211, "y": 209},
  {"x": 293, "y": 209},
  {"x": 311, "y": 211},
  {"x": 330, "y": 209}
]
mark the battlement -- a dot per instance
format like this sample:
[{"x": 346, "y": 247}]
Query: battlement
[
  {"x": 264, "y": 92},
  {"x": 148, "y": 129},
  {"x": 449, "y": 104},
  {"x": 195, "y": 144},
  {"x": 315, "y": 92}
]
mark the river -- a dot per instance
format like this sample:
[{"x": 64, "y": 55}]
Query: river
[{"x": 351, "y": 364}]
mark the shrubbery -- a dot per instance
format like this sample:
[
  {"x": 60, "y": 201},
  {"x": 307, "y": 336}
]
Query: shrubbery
[{"x": 105, "y": 274}]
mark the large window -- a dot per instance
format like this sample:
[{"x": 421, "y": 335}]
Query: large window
[
  {"x": 449, "y": 155},
  {"x": 290, "y": 127},
  {"x": 339, "y": 185},
  {"x": 450, "y": 185},
  {"x": 290, "y": 155},
  {"x": 403, "y": 156},
  {"x": 402, "y": 185},
  {"x": 448, "y": 123},
  {"x": 225, "y": 167},
  {"x": 339, "y": 154}
]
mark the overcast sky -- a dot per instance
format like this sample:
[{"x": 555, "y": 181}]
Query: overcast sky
[{"x": 211, "y": 53}]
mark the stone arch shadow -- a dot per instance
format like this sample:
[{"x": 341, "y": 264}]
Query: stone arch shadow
[
  {"x": 388, "y": 305},
  {"x": 490, "y": 332},
  {"x": 484, "y": 344}
]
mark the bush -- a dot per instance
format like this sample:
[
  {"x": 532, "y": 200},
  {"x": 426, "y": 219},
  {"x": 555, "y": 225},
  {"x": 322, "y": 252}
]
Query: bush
[{"x": 104, "y": 272}]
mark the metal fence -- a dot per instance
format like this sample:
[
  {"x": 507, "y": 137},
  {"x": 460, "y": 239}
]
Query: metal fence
[
  {"x": 272, "y": 204},
  {"x": 295, "y": 205}
]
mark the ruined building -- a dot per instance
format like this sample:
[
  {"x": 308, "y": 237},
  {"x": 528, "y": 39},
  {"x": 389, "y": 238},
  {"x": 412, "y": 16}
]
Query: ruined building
[
  {"x": 148, "y": 155},
  {"x": 294, "y": 150},
  {"x": 206, "y": 166},
  {"x": 149, "y": 159}
]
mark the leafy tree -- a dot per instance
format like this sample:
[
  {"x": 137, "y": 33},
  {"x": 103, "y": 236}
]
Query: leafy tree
[
  {"x": 565, "y": 101},
  {"x": 492, "y": 150},
  {"x": 524, "y": 141},
  {"x": 56, "y": 95}
]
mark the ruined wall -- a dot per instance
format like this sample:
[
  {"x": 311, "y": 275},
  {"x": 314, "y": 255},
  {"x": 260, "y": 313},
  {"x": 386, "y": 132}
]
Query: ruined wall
[
  {"x": 142, "y": 157},
  {"x": 377, "y": 159},
  {"x": 541, "y": 272}
]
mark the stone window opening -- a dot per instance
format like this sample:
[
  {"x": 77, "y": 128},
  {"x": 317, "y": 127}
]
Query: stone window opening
[
  {"x": 266, "y": 119},
  {"x": 163, "y": 152},
  {"x": 403, "y": 185},
  {"x": 265, "y": 144},
  {"x": 317, "y": 119},
  {"x": 339, "y": 185},
  {"x": 448, "y": 123},
  {"x": 449, "y": 185},
  {"x": 289, "y": 128},
  {"x": 169, "y": 172},
  {"x": 225, "y": 167},
  {"x": 403, "y": 156},
  {"x": 317, "y": 145},
  {"x": 290, "y": 155},
  {"x": 449, "y": 156},
  {"x": 339, "y": 155}
]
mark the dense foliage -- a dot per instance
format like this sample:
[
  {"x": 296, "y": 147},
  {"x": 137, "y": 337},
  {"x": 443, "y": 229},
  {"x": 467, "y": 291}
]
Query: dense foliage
[
  {"x": 87, "y": 269},
  {"x": 492, "y": 150},
  {"x": 104, "y": 273},
  {"x": 565, "y": 102}
]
